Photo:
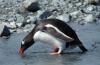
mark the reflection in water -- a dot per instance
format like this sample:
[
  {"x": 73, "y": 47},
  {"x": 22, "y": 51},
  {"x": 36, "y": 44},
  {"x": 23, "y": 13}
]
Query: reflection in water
[{"x": 46, "y": 59}]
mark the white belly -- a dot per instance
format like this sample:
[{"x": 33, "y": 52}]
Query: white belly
[{"x": 47, "y": 38}]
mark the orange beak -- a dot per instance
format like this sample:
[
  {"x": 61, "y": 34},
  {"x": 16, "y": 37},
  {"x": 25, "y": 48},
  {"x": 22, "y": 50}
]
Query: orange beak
[{"x": 21, "y": 52}]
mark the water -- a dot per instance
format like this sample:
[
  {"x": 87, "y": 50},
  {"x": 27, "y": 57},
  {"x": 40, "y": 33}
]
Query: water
[{"x": 38, "y": 54}]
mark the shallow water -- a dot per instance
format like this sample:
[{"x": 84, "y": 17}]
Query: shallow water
[{"x": 38, "y": 54}]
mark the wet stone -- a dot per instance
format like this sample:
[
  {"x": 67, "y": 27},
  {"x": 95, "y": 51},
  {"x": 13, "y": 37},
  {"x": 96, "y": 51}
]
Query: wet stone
[
  {"x": 29, "y": 5},
  {"x": 4, "y": 31},
  {"x": 45, "y": 14},
  {"x": 89, "y": 18}
]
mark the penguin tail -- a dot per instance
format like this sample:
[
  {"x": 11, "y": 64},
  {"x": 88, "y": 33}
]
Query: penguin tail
[
  {"x": 76, "y": 43},
  {"x": 81, "y": 46}
]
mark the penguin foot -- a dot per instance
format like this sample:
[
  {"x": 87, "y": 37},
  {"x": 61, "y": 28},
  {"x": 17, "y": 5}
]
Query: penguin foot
[{"x": 55, "y": 52}]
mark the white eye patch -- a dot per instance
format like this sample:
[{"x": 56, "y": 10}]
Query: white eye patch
[{"x": 23, "y": 42}]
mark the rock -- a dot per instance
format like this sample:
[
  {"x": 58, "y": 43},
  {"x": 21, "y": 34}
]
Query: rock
[
  {"x": 19, "y": 18},
  {"x": 98, "y": 15},
  {"x": 3, "y": 17},
  {"x": 1, "y": 28},
  {"x": 75, "y": 14},
  {"x": 31, "y": 19},
  {"x": 89, "y": 18},
  {"x": 18, "y": 25},
  {"x": 64, "y": 17},
  {"x": 79, "y": 4},
  {"x": 9, "y": 24},
  {"x": 11, "y": 19},
  {"x": 1, "y": 0},
  {"x": 29, "y": 5},
  {"x": 39, "y": 13},
  {"x": 89, "y": 9},
  {"x": 45, "y": 14},
  {"x": 4, "y": 31},
  {"x": 13, "y": 25},
  {"x": 94, "y": 2},
  {"x": 28, "y": 27},
  {"x": 25, "y": 23}
]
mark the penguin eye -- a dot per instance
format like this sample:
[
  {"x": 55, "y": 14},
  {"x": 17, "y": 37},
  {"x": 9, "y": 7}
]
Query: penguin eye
[{"x": 23, "y": 42}]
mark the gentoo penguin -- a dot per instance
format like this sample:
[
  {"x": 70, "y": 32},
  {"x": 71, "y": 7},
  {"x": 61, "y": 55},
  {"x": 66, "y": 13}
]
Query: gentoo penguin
[{"x": 56, "y": 28}]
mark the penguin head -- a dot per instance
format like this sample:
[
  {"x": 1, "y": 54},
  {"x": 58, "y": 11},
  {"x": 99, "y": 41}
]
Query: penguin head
[{"x": 25, "y": 44}]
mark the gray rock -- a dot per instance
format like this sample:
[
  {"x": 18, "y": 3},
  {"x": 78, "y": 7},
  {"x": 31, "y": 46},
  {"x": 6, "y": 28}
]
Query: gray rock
[
  {"x": 19, "y": 18},
  {"x": 98, "y": 15},
  {"x": 13, "y": 25},
  {"x": 75, "y": 14},
  {"x": 90, "y": 18},
  {"x": 29, "y": 5},
  {"x": 94, "y": 2},
  {"x": 4, "y": 31},
  {"x": 18, "y": 25},
  {"x": 3, "y": 17},
  {"x": 1, "y": 28},
  {"x": 64, "y": 17},
  {"x": 89, "y": 9},
  {"x": 28, "y": 27},
  {"x": 45, "y": 14},
  {"x": 31, "y": 19},
  {"x": 1, "y": 0}
]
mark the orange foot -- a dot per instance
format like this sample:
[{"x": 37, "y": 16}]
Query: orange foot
[{"x": 55, "y": 52}]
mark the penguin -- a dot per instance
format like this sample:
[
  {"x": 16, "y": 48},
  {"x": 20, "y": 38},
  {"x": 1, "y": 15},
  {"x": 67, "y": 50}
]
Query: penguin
[{"x": 54, "y": 28}]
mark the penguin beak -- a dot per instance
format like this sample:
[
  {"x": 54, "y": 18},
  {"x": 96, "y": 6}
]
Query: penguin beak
[{"x": 21, "y": 52}]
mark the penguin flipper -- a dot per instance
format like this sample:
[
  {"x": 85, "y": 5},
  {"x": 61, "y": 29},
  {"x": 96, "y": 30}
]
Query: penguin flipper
[{"x": 57, "y": 33}]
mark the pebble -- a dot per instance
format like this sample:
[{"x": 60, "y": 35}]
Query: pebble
[
  {"x": 75, "y": 13},
  {"x": 19, "y": 18},
  {"x": 45, "y": 14},
  {"x": 89, "y": 9},
  {"x": 94, "y": 2},
  {"x": 64, "y": 17},
  {"x": 89, "y": 18}
]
